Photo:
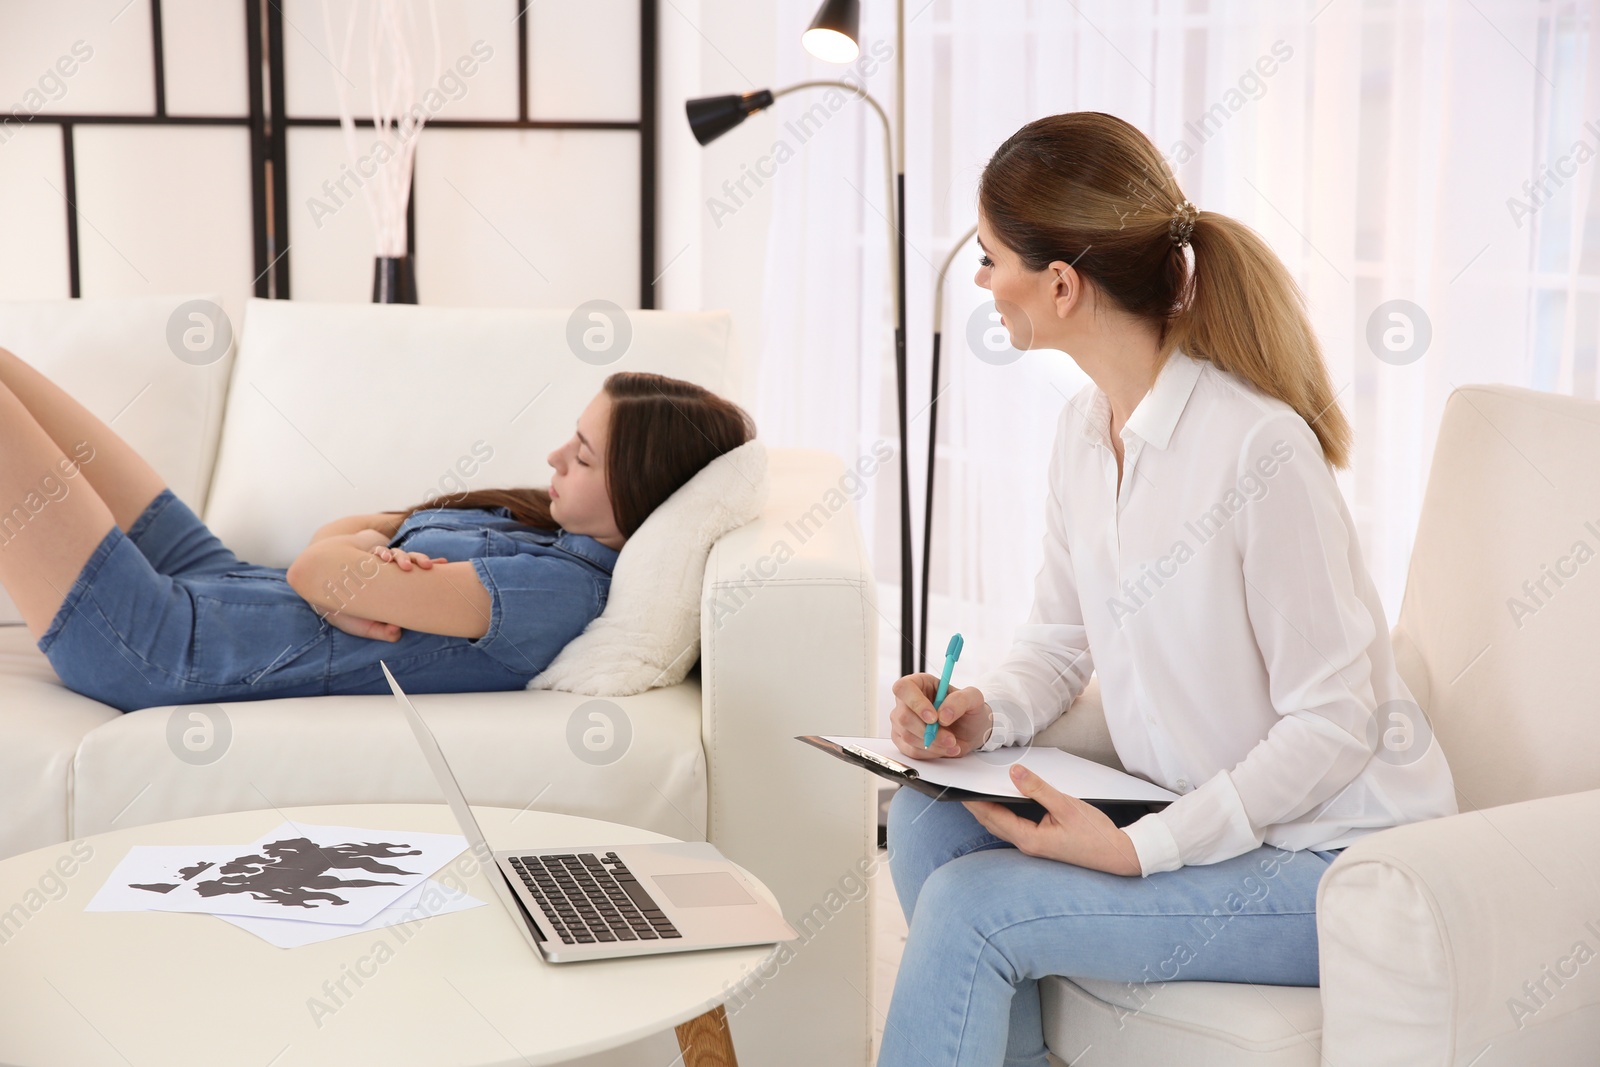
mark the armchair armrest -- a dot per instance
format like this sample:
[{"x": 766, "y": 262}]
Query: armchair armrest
[
  {"x": 789, "y": 645},
  {"x": 1441, "y": 938},
  {"x": 1082, "y": 730}
]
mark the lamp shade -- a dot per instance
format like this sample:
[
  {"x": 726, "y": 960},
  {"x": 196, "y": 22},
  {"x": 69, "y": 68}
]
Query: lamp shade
[
  {"x": 712, "y": 116},
  {"x": 834, "y": 36}
]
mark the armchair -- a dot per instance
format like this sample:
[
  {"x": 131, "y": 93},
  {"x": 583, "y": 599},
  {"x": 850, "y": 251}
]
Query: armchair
[{"x": 1471, "y": 939}]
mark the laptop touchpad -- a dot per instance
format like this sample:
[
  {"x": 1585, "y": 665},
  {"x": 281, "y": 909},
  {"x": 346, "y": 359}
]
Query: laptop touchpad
[{"x": 702, "y": 890}]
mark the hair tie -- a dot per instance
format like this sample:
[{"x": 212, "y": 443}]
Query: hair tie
[{"x": 1182, "y": 225}]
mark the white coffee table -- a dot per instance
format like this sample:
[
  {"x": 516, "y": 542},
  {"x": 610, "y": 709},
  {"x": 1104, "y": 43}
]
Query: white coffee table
[{"x": 117, "y": 988}]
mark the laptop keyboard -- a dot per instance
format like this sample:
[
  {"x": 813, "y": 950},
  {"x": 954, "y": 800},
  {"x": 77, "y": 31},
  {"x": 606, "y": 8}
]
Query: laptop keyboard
[{"x": 589, "y": 900}]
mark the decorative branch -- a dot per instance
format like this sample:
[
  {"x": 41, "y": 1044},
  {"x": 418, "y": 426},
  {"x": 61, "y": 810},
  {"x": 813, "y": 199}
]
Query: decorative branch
[{"x": 397, "y": 117}]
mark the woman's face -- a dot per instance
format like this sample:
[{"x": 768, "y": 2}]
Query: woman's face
[
  {"x": 579, "y": 500},
  {"x": 1026, "y": 299}
]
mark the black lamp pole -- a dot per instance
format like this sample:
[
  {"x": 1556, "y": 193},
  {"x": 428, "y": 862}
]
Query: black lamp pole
[
  {"x": 933, "y": 436},
  {"x": 833, "y": 35},
  {"x": 907, "y": 588}
]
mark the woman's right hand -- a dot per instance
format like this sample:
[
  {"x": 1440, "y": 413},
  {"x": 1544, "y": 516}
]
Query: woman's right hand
[{"x": 965, "y": 721}]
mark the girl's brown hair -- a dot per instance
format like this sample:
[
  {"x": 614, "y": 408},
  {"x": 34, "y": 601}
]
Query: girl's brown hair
[
  {"x": 1091, "y": 190},
  {"x": 662, "y": 431}
]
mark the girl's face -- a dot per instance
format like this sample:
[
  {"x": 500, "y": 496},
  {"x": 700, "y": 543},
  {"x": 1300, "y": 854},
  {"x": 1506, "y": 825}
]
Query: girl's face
[{"x": 579, "y": 500}]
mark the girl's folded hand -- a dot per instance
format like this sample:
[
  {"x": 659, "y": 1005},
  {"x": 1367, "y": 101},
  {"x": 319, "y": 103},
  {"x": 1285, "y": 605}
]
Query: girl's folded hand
[
  {"x": 359, "y": 627},
  {"x": 406, "y": 560}
]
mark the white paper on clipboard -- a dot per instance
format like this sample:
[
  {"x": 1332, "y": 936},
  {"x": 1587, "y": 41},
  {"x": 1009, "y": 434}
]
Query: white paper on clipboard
[{"x": 990, "y": 772}]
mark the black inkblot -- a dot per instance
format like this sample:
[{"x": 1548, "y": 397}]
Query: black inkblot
[{"x": 295, "y": 872}]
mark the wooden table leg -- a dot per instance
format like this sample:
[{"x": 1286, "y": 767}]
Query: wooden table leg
[{"x": 706, "y": 1041}]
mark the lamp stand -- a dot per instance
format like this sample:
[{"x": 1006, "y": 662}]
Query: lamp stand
[
  {"x": 933, "y": 434},
  {"x": 907, "y": 586},
  {"x": 712, "y": 116}
]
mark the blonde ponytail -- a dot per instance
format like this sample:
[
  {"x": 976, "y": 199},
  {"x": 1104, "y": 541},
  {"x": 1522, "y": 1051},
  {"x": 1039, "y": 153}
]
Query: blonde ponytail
[{"x": 1243, "y": 312}]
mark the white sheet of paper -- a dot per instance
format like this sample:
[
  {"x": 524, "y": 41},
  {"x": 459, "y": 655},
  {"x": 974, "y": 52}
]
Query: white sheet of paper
[
  {"x": 990, "y": 772},
  {"x": 298, "y": 871},
  {"x": 427, "y": 899},
  {"x": 136, "y": 880}
]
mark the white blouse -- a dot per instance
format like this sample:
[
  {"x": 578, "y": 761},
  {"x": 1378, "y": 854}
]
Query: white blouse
[{"x": 1242, "y": 651}]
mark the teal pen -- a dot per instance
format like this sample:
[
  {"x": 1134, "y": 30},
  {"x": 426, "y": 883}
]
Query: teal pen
[{"x": 950, "y": 656}]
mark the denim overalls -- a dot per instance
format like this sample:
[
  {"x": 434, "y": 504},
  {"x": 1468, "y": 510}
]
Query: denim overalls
[{"x": 166, "y": 614}]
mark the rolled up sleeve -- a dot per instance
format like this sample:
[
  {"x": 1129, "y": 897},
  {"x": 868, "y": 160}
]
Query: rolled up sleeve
[{"x": 538, "y": 603}]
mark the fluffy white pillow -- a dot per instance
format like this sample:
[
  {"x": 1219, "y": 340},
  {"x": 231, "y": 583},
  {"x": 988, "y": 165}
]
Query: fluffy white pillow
[{"x": 649, "y": 633}]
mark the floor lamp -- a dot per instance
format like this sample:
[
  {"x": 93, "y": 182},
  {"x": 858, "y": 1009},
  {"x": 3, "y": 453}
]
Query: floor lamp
[{"x": 834, "y": 36}]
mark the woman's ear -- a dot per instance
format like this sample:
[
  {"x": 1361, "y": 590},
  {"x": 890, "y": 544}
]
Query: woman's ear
[{"x": 1066, "y": 287}]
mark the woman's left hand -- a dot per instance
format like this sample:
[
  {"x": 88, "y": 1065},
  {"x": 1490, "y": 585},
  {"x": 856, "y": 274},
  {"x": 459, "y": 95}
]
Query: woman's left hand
[{"x": 1072, "y": 830}]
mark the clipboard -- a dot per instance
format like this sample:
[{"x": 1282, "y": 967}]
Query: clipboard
[{"x": 905, "y": 773}]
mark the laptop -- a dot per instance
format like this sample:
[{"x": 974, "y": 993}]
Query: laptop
[{"x": 604, "y": 901}]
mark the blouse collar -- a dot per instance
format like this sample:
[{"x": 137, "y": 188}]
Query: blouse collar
[{"x": 1156, "y": 415}]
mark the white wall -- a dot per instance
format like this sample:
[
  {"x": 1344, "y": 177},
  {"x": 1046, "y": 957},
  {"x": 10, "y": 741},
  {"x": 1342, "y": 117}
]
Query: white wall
[{"x": 710, "y": 47}]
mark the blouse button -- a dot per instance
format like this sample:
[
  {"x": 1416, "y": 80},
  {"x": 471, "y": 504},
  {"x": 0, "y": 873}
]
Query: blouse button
[{"x": 1183, "y": 785}]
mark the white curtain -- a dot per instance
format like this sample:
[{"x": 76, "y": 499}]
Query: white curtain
[{"x": 1420, "y": 150}]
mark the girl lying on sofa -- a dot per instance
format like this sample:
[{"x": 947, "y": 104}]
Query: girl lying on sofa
[{"x": 137, "y": 604}]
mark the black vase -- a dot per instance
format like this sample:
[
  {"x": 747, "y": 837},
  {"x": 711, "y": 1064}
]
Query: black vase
[{"x": 394, "y": 280}]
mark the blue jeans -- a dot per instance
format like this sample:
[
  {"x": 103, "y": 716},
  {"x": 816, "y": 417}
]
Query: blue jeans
[{"x": 987, "y": 922}]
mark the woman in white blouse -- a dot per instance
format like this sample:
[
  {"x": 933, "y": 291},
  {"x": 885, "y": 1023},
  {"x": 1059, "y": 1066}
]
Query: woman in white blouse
[{"x": 1200, "y": 557}]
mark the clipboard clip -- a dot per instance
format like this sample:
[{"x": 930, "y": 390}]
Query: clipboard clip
[{"x": 882, "y": 761}]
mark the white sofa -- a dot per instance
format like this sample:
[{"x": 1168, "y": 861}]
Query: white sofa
[
  {"x": 1469, "y": 940},
  {"x": 329, "y": 410}
]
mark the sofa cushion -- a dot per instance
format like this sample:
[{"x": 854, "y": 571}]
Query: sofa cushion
[
  {"x": 1198, "y": 1024},
  {"x": 636, "y": 760},
  {"x": 649, "y": 632},
  {"x": 118, "y": 358},
  {"x": 42, "y": 722},
  {"x": 314, "y": 429}
]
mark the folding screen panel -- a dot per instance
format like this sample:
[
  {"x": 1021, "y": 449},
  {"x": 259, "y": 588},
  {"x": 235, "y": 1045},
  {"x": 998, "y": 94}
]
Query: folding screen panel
[
  {"x": 533, "y": 176},
  {"x": 138, "y": 154},
  {"x": 125, "y": 162}
]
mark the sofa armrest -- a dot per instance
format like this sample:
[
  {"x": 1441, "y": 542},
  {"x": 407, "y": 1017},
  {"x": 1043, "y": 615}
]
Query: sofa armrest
[
  {"x": 789, "y": 644},
  {"x": 1441, "y": 938}
]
